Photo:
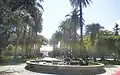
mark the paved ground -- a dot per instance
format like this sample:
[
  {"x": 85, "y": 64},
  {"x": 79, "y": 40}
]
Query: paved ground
[
  {"x": 111, "y": 69},
  {"x": 19, "y": 70}
]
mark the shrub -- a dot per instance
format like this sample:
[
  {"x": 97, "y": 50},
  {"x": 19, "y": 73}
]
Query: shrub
[
  {"x": 108, "y": 62},
  {"x": 10, "y": 47},
  {"x": 1, "y": 58}
]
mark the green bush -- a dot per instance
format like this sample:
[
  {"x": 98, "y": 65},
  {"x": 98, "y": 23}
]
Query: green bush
[
  {"x": 108, "y": 62},
  {"x": 93, "y": 63},
  {"x": 1, "y": 58},
  {"x": 5, "y": 59},
  {"x": 10, "y": 47}
]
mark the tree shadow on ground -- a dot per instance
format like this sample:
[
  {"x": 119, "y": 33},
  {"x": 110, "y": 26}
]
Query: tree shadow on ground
[
  {"x": 7, "y": 64},
  {"x": 5, "y": 73},
  {"x": 8, "y": 72},
  {"x": 11, "y": 63},
  {"x": 110, "y": 66},
  {"x": 41, "y": 70}
]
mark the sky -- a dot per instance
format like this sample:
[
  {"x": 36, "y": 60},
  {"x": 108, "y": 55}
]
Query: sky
[{"x": 104, "y": 12}]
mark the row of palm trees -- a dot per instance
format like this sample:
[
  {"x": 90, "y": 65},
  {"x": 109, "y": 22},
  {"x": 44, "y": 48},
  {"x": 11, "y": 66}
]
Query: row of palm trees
[
  {"x": 23, "y": 20},
  {"x": 67, "y": 34},
  {"x": 67, "y": 37},
  {"x": 97, "y": 41}
]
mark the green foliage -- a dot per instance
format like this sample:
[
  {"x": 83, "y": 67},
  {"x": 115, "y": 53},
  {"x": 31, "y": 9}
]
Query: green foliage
[
  {"x": 1, "y": 58},
  {"x": 107, "y": 45},
  {"x": 10, "y": 47},
  {"x": 116, "y": 29},
  {"x": 17, "y": 16},
  {"x": 93, "y": 30},
  {"x": 107, "y": 62},
  {"x": 5, "y": 59},
  {"x": 77, "y": 3},
  {"x": 24, "y": 19},
  {"x": 87, "y": 44}
]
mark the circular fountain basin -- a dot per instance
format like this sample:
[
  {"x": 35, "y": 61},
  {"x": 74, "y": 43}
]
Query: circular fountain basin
[{"x": 53, "y": 66}]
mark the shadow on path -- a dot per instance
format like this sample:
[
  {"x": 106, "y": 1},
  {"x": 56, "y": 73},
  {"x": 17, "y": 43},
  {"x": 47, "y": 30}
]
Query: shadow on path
[{"x": 110, "y": 66}]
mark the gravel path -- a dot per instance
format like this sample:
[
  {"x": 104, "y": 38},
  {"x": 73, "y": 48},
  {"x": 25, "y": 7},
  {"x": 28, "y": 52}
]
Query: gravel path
[{"x": 19, "y": 70}]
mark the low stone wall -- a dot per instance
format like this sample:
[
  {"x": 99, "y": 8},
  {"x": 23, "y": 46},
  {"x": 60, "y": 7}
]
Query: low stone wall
[{"x": 66, "y": 69}]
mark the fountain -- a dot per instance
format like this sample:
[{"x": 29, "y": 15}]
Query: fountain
[{"x": 56, "y": 66}]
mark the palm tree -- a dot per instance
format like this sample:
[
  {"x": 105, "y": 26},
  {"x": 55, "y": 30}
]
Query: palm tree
[
  {"x": 74, "y": 23},
  {"x": 74, "y": 16},
  {"x": 16, "y": 15},
  {"x": 53, "y": 42},
  {"x": 34, "y": 8},
  {"x": 93, "y": 30},
  {"x": 79, "y": 4},
  {"x": 66, "y": 28},
  {"x": 55, "y": 39},
  {"x": 24, "y": 4}
]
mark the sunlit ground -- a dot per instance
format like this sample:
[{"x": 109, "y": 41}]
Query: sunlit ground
[{"x": 19, "y": 70}]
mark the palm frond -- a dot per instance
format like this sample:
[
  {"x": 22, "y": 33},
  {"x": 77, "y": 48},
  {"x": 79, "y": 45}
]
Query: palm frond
[
  {"x": 39, "y": 5},
  {"x": 41, "y": 0},
  {"x": 76, "y": 3},
  {"x": 67, "y": 15}
]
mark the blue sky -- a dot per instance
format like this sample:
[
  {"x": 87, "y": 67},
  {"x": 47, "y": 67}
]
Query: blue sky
[{"x": 105, "y": 12}]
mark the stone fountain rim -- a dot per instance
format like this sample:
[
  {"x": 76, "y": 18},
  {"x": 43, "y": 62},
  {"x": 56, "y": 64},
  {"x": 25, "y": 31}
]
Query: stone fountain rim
[{"x": 32, "y": 62}]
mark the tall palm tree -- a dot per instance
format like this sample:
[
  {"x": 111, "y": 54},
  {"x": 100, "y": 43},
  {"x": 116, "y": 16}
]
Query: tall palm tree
[
  {"x": 34, "y": 8},
  {"x": 74, "y": 16},
  {"x": 79, "y": 4},
  {"x": 24, "y": 4},
  {"x": 93, "y": 30},
  {"x": 74, "y": 23},
  {"x": 54, "y": 42},
  {"x": 66, "y": 28},
  {"x": 16, "y": 15}
]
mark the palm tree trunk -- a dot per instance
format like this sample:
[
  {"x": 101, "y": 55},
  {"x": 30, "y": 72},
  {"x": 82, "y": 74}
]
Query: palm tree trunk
[
  {"x": 53, "y": 54},
  {"x": 75, "y": 33},
  {"x": 81, "y": 28},
  {"x": 15, "y": 50},
  {"x": 81, "y": 37},
  {"x": 29, "y": 41},
  {"x": 36, "y": 44},
  {"x": 25, "y": 52}
]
